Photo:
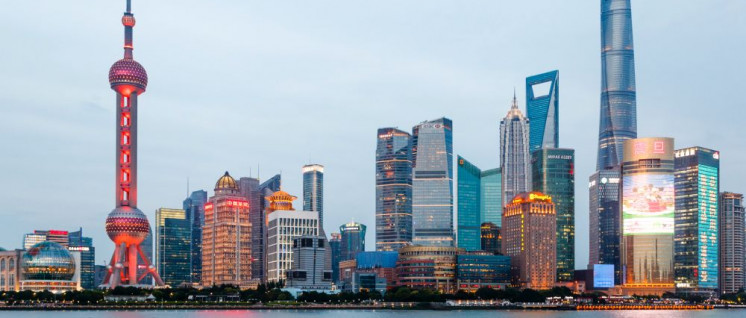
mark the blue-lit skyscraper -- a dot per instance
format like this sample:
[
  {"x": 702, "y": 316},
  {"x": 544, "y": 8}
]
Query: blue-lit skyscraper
[
  {"x": 194, "y": 206},
  {"x": 313, "y": 190},
  {"x": 393, "y": 189},
  {"x": 542, "y": 110},
  {"x": 490, "y": 199},
  {"x": 79, "y": 243},
  {"x": 432, "y": 184},
  {"x": 352, "y": 237},
  {"x": 618, "y": 93},
  {"x": 469, "y": 203},
  {"x": 697, "y": 184},
  {"x": 173, "y": 246}
]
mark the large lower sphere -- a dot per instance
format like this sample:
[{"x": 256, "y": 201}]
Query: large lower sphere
[{"x": 127, "y": 225}]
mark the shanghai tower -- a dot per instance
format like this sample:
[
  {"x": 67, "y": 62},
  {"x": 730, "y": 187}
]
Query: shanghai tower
[
  {"x": 618, "y": 97},
  {"x": 126, "y": 225}
]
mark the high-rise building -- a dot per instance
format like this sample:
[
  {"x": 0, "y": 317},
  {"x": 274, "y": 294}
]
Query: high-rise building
[
  {"x": 353, "y": 240},
  {"x": 310, "y": 268},
  {"x": 528, "y": 237},
  {"x": 393, "y": 189},
  {"x": 697, "y": 184},
  {"x": 605, "y": 221},
  {"x": 194, "y": 206},
  {"x": 732, "y": 243},
  {"x": 553, "y": 173},
  {"x": 432, "y": 182},
  {"x": 490, "y": 238},
  {"x": 226, "y": 237},
  {"x": 490, "y": 198},
  {"x": 542, "y": 110},
  {"x": 84, "y": 245},
  {"x": 313, "y": 190},
  {"x": 258, "y": 213},
  {"x": 172, "y": 246},
  {"x": 469, "y": 204},
  {"x": 648, "y": 215},
  {"x": 515, "y": 160},
  {"x": 335, "y": 244},
  {"x": 284, "y": 224},
  {"x": 618, "y": 92},
  {"x": 126, "y": 225}
]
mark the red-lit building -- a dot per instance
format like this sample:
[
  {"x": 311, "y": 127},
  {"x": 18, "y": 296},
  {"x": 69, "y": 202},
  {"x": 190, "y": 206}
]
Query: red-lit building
[{"x": 226, "y": 237}]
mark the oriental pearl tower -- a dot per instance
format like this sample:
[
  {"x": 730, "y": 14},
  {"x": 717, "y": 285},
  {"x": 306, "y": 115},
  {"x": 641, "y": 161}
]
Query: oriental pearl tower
[{"x": 126, "y": 225}]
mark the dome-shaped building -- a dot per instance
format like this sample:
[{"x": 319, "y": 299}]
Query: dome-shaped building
[
  {"x": 226, "y": 185},
  {"x": 48, "y": 266}
]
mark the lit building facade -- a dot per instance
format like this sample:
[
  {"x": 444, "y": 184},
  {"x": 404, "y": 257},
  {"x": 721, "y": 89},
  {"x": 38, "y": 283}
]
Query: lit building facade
[
  {"x": 172, "y": 246},
  {"x": 542, "y": 110},
  {"x": 310, "y": 266},
  {"x": 490, "y": 238},
  {"x": 432, "y": 182},
  {"x": 78, "y": 243},
  {"x": 481, "y": 269},
  {"x": 194, "y": 206},
  {"x": 393, "y": 189},
  {"x": 313, "y": 190},
  {"x": 490, "y": 198},
  {"x": 382, "y": 263},
  {"x": 605, "y": 222},
  {"x": 226, "y": 237},
  {"x": 732, "y": 243},
  {"x": 529, "y": 238},
  {"x": 335, "y": 244},
  {"x": 428, "y": 267},
  {"x": 284, "y": 224},
  {"x": 352, "y": 240},
  {"x": 10, "y": 270},
  {"x": 648, "y": 214},
  {"x": 126, "y": 225},
  {"x": 618, "y": 92},
  {"x": 697, "y": 185},
  {"x": 38, "y": 236},
  {"x": 469, "y": 204},
  {"x": 515, "y": 160},
  {"x": 553, "y": 173}
]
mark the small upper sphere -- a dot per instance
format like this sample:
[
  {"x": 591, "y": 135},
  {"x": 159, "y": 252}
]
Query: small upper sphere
[
  {"x": 47, "y": 261},
  {"x": 126, "y": 76},
  {"x": 128, "y": 20},
  {"x": 127, "y": 225}
]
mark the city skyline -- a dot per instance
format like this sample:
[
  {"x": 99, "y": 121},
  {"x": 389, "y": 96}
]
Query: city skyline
[{"x": 89, "y": 165}]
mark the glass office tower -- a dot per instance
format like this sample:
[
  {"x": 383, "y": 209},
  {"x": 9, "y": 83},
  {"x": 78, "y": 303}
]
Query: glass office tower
[
  {"x": 542, "y": 110},
  {"x": 732, "y": 243},
  {"x": 352, "y": 240},
  {"x": 491, "y": 207},
  {"x": 313, "y": 190},
  {"x": 172, "y": 246},
  {"x": 697, "y": 183},
  {"x": 515, "y": 159},
  {"x": 618, "y": 93},
  {"x": 648, "y": 214},
  {"x": 335, "y": 244},
  {"x": 605, "y": 221},
  {"x": 553, "y": 173},
  {"x": 432, "y": 184},
  {"x": 393, "y": 189},
  {"x": 194, "y": 206},
  {"x": 469, "y": 203},
  {"x": 79, "y": 243}
]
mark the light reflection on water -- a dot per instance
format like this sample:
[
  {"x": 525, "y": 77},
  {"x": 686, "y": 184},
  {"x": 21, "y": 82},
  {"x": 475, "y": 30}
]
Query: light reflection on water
[{"x": 740, "y": 313}]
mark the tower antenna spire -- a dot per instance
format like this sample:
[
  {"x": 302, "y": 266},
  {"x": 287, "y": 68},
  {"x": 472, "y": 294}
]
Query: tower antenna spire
[{"x": 129, "y": 6}]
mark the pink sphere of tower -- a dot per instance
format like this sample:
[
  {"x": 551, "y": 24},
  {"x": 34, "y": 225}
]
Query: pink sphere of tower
[
  {"x": 127, "y": 225},
  {"x": 128, "y": 76}
]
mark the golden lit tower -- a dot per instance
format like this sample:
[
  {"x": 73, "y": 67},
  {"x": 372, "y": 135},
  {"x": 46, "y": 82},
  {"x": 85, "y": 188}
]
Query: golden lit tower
[{"x": 126, "y": 225}]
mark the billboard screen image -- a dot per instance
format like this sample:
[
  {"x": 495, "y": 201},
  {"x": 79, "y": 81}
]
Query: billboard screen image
[
  {"x": 603, "y": 275},
  {"x": 648, "y": 204}
]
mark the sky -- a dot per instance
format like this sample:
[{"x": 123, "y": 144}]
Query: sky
[{"x": 264, "y": 87}]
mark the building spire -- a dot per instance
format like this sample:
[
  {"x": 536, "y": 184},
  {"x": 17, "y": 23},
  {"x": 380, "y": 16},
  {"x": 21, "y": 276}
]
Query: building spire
[
  {"x": 128, "y": 20},
  {"x": 515, "y": 100}
]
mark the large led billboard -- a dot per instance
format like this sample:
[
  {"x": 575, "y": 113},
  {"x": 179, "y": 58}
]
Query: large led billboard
[
  {"x": 603, "y": 275},
  {"x": 648, "y": 204}
]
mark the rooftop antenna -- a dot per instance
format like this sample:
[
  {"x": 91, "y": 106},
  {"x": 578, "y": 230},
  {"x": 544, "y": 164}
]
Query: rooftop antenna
[{"x": 187, "y": 177}]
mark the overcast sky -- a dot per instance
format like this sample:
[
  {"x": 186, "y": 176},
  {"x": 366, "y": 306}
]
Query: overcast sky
[{"x": 236, "y": 85}]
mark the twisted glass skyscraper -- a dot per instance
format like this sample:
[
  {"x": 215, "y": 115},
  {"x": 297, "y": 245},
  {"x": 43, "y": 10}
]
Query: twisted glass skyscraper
[
  {"x": 618, "y": 94},
  {"x": 393, "y": 189}
]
